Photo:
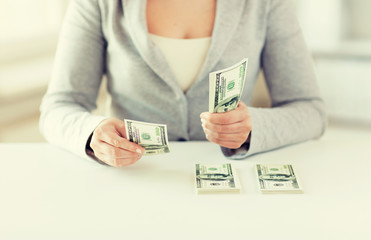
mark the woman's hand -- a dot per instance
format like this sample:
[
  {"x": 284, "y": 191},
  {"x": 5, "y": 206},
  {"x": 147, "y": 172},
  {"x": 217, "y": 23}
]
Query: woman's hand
[
  {"x": 230, "y": 129},
  {"x": 110, "y": 145}
]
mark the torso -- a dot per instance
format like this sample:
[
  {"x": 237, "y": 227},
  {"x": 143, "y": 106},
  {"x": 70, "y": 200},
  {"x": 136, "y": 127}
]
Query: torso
[{"x": 181, "y": 18}]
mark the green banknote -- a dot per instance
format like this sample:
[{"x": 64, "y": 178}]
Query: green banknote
[
  {"x": 216, "y": 178},
  {"x": 277, "y": 178},
  {"x": 151, "y": 136},
  {"x": 226, "y": 86}
]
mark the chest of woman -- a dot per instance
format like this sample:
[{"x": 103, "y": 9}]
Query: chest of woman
[
  {"x": 181, "y": 19},
  {"x": 133, "y": 61}
]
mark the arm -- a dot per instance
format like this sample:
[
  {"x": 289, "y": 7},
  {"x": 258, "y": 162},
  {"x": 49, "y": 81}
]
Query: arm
[
  {"x": 66, "y": 118},
  {"x": 298, "y": 112}
]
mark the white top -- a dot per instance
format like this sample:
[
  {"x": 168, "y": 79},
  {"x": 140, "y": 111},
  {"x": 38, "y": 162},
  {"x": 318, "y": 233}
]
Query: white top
[{"x": 184, "y": 56}]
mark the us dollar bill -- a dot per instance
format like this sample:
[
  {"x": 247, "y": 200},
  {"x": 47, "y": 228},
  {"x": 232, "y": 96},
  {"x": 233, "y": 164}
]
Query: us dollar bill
[
  {"x": 276, "y": 178},
  {"x": 216, "y": 178},
  {"x": 226, "y": 86},
  {"x": 151, "y": 136}
]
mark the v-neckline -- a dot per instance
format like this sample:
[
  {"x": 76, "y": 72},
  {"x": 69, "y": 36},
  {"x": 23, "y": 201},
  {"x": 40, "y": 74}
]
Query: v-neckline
[{"x": 225, "y": 25}]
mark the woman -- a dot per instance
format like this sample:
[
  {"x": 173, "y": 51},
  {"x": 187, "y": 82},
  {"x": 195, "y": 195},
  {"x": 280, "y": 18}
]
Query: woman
[{"x": 157, "y": 55}]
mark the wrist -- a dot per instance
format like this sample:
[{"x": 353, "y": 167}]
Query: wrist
[
  {"x": 242, "y": 150},
  {"x": 90, "y": 152}
]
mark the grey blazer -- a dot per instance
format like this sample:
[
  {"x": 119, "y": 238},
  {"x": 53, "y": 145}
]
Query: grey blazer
[{"x": 110, "y": 37}]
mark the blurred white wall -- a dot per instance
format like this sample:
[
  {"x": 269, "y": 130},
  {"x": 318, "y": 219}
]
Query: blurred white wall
[
  {"x": 28, "y": 39},
  {"x": 321, "y": 21},
  {"x": 337, "y": 32}
]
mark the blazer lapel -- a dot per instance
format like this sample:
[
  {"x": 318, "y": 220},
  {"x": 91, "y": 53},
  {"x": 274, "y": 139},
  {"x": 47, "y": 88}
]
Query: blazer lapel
[
  {"x": 228, "y": 15},
  {"x": 135, "y": 12}
]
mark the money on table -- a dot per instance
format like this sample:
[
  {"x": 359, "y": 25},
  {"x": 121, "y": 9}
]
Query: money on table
[
  {"x": 278, "y": 178},
  {"x": 216, "y": 178},
  {"x": 226, "y": 86},
  {"x": 151, "y": 136}
]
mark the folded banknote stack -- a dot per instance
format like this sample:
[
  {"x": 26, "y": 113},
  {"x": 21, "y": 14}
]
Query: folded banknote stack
[
  {"x": 278, "y": 178},
  {"x": 216, "y": 178}
]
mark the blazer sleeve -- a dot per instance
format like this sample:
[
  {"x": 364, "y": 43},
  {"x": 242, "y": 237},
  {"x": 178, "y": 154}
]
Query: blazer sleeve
[
  {"x": 66, "y": 118},
  {"x": 298, "y": 111}
]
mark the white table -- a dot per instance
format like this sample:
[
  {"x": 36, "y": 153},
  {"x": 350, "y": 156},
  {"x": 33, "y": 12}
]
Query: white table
[{"x": 48, "y": 193}]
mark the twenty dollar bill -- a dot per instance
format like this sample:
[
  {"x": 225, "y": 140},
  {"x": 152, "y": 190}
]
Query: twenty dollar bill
[
  {"x": 226, "y": 86},
  {"x": 275, "y": 178},
  {"x": 216, "y": 178},
  {"x": 153, "y": 137}
]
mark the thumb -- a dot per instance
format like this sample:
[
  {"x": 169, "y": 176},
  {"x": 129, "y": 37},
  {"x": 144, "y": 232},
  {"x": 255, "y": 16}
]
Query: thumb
[{"x": 119, "y": 127}]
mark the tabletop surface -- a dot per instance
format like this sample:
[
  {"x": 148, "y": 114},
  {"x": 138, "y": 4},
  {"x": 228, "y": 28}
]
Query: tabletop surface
[{"x": 48, "y": 193}]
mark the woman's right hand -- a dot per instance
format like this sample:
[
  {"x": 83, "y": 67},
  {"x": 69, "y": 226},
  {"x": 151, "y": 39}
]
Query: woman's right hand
[{"x": 111, "y": 146}]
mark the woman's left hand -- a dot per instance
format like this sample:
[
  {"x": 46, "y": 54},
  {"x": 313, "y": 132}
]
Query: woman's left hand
[{"x": 230, "y": 129}]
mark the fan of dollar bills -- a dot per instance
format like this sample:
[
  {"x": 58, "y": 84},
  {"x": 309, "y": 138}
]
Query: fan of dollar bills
[
  {"x": 151, "y": 136},
  {"x": 226, "y": 86}
]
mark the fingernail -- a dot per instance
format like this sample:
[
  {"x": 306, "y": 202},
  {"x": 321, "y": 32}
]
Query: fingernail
[
  {"x": 203, "y": 120},
  {"x": 138, "y": 151}
]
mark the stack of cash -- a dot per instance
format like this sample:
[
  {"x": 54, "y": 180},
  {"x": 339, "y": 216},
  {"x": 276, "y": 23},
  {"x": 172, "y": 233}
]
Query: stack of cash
[
  {"x": 216, "y": 178},
  {"x": 226, "y": 86},
  {"x": 153, "y": 137},
  {"x": 274, "y": 178}
]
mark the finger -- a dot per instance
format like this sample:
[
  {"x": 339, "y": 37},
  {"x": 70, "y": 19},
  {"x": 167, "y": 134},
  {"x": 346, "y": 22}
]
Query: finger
[
  {"x": 242, "y": 104},
  {"x": 106, "y": 159},
  {"x": 116, "y": 152},
  {"x": 110, "y": 151},
  {"x": 119, "y": 127},
  {"x": 230, "y": 137},
  {"x": 115, "y": 140},
  {"x": 126, "y": 162},
  {"x": 237, "y": 115},
  {"x": 122, "y": 162},
  {"x": 240, "y": 127},
  {"x": 117, "y": 161},
  {"x": 225, "y": 143}
]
